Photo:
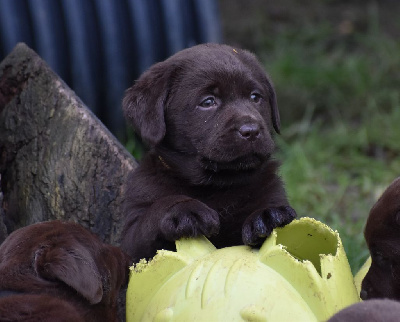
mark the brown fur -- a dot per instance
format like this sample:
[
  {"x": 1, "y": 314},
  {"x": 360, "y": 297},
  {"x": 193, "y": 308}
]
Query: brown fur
[
  {"x": 369, "y": 311},
  {"x": 208, "y": 114},
  {"x": 382, "y": 234},
  {"x": 65, "y": 262},
  {"x": 34, "y": 308}
]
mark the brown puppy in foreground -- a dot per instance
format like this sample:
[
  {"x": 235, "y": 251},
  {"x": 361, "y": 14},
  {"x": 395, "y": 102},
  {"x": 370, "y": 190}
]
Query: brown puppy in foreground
[
  {"x": 58, "y": 271},
  {"x": 382, "y": 233},
  {"x": 369, "y": 311},
  {"x": 208, "y": 114}
]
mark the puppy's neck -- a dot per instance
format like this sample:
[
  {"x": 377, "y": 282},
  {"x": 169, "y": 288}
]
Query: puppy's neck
[
  {"x": 182, "y": 166},
  {"x": 189, "y": 170}
]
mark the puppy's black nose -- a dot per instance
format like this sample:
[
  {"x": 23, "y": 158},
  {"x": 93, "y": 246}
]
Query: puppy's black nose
[
  {"x": 364, "y": 295},
  {"x": 249, "y": 131}
]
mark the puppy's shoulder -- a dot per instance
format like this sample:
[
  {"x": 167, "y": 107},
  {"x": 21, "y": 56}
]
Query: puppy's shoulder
[
  {"x": 150, "y": 178},
  {"x": 149, "y": 167}
]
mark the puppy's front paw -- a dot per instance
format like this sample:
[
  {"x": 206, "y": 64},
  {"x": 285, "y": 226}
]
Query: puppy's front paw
[
  {"x": 260, "y": 223},
  {"x": 189, "y": 218}
]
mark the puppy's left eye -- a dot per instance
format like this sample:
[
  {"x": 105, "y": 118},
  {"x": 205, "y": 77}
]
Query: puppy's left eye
[
  {"x": 208, "y": 102},
  {"x": 255, "y": 97}
]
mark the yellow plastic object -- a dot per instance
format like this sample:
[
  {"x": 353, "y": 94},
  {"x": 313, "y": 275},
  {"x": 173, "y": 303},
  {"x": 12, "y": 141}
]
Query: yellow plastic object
[
  {"x": 300, "y": 273},
  {"x": 361, "y": 274}
]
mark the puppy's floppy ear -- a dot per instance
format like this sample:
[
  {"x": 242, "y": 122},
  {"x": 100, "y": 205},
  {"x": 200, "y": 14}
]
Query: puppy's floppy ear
[
  {"x": 276, "y": 120},
  {"x": 75, "y": 267},
  {"x": 144, "y": 103}
]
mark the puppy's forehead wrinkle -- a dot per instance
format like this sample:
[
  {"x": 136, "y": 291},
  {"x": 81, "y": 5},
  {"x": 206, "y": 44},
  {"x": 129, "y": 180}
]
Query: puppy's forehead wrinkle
[
  {"x": 216, "y": 81},
  {"x": 219, "y": 67}
]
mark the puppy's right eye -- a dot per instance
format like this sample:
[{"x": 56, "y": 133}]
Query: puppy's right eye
[
  {"x": 208, "y": 102},
  {"x": 255, "y": 97}
]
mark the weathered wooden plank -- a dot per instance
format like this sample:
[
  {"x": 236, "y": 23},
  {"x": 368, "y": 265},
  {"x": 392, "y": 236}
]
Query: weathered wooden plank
[{"x": 57, "y": 160}]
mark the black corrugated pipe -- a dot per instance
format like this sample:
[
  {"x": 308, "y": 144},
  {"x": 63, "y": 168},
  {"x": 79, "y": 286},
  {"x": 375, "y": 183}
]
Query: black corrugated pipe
[{"x": 99, "y": 47}]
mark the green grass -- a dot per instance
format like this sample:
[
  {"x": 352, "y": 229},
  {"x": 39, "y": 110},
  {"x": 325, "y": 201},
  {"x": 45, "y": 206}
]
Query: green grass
[
  {"x": 334, "y": 76},
  {"x": 133, "y": 144},
  {"x": 336, "y": 173}
]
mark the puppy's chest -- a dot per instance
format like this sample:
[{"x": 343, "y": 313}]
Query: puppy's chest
[{"x": 230, "y": 203}]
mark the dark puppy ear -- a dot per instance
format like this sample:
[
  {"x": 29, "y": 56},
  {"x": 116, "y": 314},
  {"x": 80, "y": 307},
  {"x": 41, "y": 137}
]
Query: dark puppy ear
[
  {"x": 397, "y": 218},
  {"x": 144, "y": 103},
  {"x": 75, "y": 267},
  {"x": 276, "y": 120}
]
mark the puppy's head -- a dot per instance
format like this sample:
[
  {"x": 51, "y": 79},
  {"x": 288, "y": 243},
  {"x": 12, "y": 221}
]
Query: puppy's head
[
  {"x": 62, "y": 259},
  {"x": 382, "y": 234},
  {"x": 211, "y": 101}
]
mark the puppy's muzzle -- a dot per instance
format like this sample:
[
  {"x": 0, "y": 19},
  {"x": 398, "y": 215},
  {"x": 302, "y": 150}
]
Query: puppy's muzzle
[{"x": 250, "y": 131}]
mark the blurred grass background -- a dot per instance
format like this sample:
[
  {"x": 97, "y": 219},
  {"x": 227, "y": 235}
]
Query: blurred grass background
[
  {"x": 335, "y": 66},
  {"x": 336, "y": 70}
]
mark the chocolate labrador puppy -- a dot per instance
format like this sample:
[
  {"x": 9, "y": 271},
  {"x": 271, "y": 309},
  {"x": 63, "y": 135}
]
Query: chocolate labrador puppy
[
  {"x": 59, "y": 271},
  {"x": 382, "y": 233},
  {"x": 208, "y": 114}
]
